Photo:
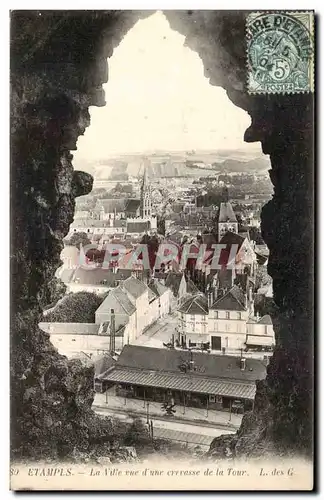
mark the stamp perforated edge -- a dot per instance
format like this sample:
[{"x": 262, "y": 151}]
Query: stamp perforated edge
[{"x": 312, "y": 59}]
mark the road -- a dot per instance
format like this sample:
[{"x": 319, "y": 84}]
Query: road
[
  {"x": 174, "y": 430},
  {"x": 161, "y": 331}
]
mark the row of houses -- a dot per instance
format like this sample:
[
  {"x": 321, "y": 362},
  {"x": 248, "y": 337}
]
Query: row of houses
[
  {"x": 226, "y": 323},
  {"x": 134, "y": 227},
  {"x": 131, "y": 306}
]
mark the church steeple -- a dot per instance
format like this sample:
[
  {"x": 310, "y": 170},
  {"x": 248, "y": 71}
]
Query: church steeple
[
  {"x": 227, "y": 220},
  {"x": 146, "y": 202}
]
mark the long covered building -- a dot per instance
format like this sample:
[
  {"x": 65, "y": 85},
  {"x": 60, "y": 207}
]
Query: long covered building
[{"x": 184, "y": 377}]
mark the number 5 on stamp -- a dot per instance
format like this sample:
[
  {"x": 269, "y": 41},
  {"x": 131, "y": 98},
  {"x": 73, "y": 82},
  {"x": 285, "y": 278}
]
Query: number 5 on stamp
[{"x": 280, "y": 52}]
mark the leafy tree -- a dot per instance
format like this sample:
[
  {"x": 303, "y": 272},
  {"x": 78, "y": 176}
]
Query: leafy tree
[
  {"x": 76, "y": 308},
  {"x": 262, "y": 278},
  {"x": 78, "y": 239},
  {"x": 137, "y": 434}
]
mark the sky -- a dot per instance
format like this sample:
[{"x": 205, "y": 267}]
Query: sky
[{"x": 157, "y": 98}]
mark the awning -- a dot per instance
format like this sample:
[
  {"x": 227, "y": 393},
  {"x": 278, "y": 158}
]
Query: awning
[
  {"x": 182, "y": 382},
  {"x": 261, "y": 340}
]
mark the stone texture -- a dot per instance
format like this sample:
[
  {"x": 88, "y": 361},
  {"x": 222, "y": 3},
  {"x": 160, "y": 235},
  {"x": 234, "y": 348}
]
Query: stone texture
[{"x": 58, "y": 67}]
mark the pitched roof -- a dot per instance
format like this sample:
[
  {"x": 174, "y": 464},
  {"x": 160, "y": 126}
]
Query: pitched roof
[
  {"x": 102, "y": 363},
  {"x": 111, "y": 205},
  {"x": 173, "y": 281},
  {"x": 134, "y": 287},
  {"x": 132, "y": 205},
  {"x": 182, "y": 382},
  {"x": 151, "y": 294},
  {"x": 195, "y": 305},
  {"x": 138, "y": 227},
  {"x": 233, "y": 300},
  {"x": 226, "y": 212},
  {"x": 207, "y": 365},
  {"x": 191, "y": 287},
  {"x": 231, "y": 238},
  {"x": 118, "y": 300},
  {"x": 57, "y": 328},
  {"x": 96, "y": 277},
  {"x": 266, "y": 320},
  {"x": 157, "y": 288}
]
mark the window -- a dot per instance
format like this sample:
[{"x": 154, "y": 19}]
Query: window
[
  {"x": 227, "y": 327},
  {"x": 239, "y": 315},
  {"x": 212, "y": 398},
  {"x": 192, "y": 318},
  {"x": 227, "y": 315},
  {"x": 216, "y": 314}
]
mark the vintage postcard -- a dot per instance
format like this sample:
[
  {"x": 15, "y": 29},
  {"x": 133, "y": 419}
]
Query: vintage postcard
[{"x": 162, "y": 209}]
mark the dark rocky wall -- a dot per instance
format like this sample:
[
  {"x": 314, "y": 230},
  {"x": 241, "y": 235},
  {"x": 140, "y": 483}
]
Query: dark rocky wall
[{"x": 58, "y": 67}]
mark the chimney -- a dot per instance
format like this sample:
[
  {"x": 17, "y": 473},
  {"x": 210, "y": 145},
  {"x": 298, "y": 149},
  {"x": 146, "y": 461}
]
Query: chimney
[{"x": 112, "y": 340}]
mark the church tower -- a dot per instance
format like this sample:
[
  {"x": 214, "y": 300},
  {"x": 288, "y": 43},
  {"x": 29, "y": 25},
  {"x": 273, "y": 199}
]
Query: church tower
[
  {"x": 146, "y": 202},
  {"x": 227, "y": 220}
]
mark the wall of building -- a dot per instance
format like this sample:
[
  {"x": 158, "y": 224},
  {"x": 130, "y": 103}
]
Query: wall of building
[
  {"x": 81, "y": 287},
  {"x": 197, "y": 323},
  {"x": 71, "y": 344}
]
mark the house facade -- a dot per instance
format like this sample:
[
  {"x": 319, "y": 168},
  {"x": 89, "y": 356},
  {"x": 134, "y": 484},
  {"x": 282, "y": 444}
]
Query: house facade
[
  {"x": 193, "y": 320},
  {"x": 225, "y": 325}
]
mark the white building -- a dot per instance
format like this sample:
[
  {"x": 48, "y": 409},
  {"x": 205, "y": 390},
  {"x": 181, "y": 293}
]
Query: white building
[
  {"x": 193, "y": 320},
  {"x": 227, "y": 321},
  {"x": 227, "y": 325},
  {"x": 136, "y": 306},
  {"x": 73, "y": 338}
]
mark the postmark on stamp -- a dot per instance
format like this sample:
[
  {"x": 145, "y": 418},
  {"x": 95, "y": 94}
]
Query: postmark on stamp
[{"x": 280, "y": 52}]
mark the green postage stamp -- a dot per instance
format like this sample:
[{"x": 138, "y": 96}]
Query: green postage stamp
[{"x": 280, "y": 52}]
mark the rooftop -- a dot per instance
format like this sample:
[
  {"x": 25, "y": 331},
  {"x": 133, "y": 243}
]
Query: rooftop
[
  {"x": 69, "y": 328},
  {"x": 226, "y": 212},
  {"x": 207, "y": 365},
  {"x": 195, "y": 305},
  {"x": 266, "y": 320},
  {"x": 138, "y": 227},
  {"x": 111, "y": 205},
  {"x": 134, "y": 287},
  {"x": 233, "y": 300},
  {"x": 132, "y": 205}
]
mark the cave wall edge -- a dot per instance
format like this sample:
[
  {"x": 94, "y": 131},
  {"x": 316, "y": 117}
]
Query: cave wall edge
[{"x": 59, "y": 63}]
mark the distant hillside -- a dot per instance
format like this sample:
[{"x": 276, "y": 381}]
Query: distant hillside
[
  {"x": 176, "y": 164},
  {"x": 257, "y": 164}
]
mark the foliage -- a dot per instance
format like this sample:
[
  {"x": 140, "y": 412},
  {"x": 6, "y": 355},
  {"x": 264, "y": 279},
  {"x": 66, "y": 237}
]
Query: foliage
[
  {"x": 78, "y": 239},
  {"x": 262, "y": 278},
  {"x": 76, "y": 308},
  {"x": 56, "y": 290},
  {"x": 137, "y": 434}
]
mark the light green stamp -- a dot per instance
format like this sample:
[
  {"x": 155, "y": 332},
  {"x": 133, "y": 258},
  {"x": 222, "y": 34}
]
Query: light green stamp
[{"x": 280, "y": 52}]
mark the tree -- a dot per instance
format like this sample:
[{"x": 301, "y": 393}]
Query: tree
[
  {"x": 161, "y": 225},
  {"x": 137, "y": 434},
  {"x": 76, "y": 308},
  {"x": 78, "y": 239}
]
